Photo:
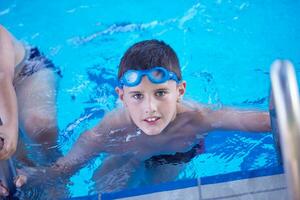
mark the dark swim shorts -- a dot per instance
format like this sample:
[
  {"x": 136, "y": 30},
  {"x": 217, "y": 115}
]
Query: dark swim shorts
[
  {"x": 177, "y": 158},
  {"x": 35, "y": 61}
]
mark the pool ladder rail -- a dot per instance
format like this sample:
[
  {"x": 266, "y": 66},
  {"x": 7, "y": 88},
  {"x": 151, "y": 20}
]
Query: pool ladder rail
[{"x": 287, "y": 107}]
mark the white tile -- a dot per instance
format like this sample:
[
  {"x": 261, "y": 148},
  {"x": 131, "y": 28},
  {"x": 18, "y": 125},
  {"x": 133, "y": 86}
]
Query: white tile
[
  {"x": 243, "y": 187},
  {"x": 271, "y": 195},
  {"x": 190, "y": 193}
]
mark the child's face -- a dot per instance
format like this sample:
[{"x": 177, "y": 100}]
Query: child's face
[{"x": 152, "y": 106}]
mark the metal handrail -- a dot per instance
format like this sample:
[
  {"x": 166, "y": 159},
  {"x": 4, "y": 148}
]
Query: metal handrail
[{"x": 287, "y": 106}]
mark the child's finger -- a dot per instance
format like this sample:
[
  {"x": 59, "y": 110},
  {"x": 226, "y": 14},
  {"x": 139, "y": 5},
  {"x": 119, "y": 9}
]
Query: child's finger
[
  {"x": 20, "y": 180},
  {"x": 3, "y": 191},
  {"x": 4, "y": 154}
]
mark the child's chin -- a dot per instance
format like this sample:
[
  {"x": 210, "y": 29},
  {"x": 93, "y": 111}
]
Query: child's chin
[{"x": 151, "y": 132}]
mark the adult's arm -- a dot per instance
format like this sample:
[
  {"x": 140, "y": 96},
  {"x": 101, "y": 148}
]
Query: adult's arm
[{"x": 8, "y": 99}]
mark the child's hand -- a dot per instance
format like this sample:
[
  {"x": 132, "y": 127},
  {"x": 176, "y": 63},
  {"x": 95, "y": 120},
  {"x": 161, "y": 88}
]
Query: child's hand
[
  {"x": 19, "y": 181},
  {"x": 8, "y": 143},
  {"x": 26, "y": 175}
]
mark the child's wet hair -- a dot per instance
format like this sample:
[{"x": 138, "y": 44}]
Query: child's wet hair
[{"x": 148, "y": 54}]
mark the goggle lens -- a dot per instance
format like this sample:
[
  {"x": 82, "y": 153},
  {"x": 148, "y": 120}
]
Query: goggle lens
[
  {"x": 158, "y": 75},
  {"x": 131, "y": 77}
]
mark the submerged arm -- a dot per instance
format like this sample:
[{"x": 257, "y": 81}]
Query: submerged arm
[
  {"x": 115, "y": 173},
  {"x": 89, "y": 145},
  {"x": 82, "y": 151},
  {"x": 93, "y": 142}
]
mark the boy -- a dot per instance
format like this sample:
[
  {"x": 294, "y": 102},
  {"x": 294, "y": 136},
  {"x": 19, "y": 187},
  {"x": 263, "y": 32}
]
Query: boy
[
  {"x": 27, "y": 97},
  {"x": 154, "y": 120}
]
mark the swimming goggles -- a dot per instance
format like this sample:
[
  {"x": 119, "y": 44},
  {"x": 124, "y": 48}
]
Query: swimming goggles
[{"x": 156, "y": 75}]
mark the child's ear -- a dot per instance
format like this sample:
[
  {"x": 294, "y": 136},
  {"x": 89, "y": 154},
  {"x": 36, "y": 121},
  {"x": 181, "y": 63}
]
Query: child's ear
[
  {"x": 120, "y": 93},
  {"x": 181, "y": 89}
]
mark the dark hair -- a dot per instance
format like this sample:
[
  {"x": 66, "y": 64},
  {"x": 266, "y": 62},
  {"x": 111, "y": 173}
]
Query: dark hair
[{"x": 148, "y": 54}]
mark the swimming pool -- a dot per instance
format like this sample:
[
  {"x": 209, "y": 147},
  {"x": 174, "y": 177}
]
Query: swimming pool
[{"x": 225, "y": 49}]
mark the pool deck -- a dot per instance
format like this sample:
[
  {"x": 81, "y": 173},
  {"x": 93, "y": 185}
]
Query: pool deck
[
  {"x": 257, "y": 184},
  {"x": 270, "y": 187}
]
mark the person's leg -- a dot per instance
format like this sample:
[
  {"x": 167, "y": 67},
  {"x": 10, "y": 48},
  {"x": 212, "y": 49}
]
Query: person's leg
[{"x": 37, "y": 110}]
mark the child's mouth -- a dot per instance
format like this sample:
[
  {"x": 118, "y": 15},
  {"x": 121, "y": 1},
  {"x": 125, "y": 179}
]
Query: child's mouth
[{"x": 151, "y": 120}]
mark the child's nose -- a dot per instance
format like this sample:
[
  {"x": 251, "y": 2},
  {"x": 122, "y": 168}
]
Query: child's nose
[{"x": 151, "y": 106}]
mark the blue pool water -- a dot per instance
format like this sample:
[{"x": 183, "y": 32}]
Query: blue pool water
[{"x": 225, "y": 48}]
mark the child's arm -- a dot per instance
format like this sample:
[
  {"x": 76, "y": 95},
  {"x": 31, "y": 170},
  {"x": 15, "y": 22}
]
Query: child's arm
[
  {"x": 90, "y": 144},
  {"x": 86, "y": 147},
  {"x": 8, "y": 99},
  {"x": 115, "y": 173},
  {"x": 233, "y": 119},
  {"x": 93, "y": 142},
  {"x": 83, "y": 151}
]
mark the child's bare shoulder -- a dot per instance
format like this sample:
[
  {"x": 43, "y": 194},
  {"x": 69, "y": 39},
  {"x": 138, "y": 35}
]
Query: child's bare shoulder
[
  {"x": 199, "y": 114},
  {"x": 193, "y": 106},
  {"x": 115, "y": 119}
]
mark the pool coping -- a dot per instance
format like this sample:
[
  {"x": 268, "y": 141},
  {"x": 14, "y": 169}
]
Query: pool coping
[{"x": 181, "y": 184}]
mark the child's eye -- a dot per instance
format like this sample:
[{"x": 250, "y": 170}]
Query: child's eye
[
  {"x": 138, "y": 96},
  {"x": 160, "y": 93}
]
